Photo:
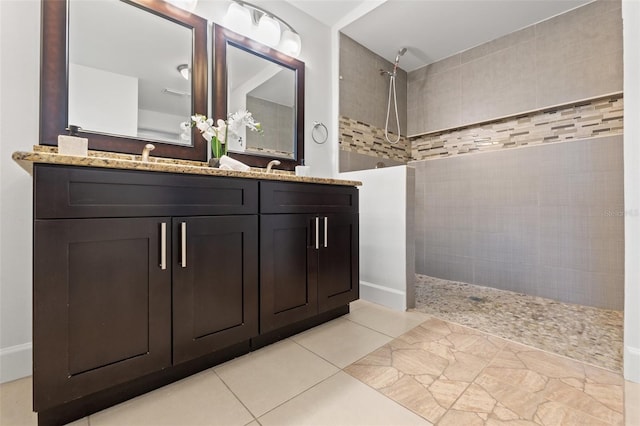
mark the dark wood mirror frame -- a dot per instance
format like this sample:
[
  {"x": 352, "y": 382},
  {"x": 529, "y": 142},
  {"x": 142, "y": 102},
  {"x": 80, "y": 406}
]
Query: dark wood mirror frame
[
  {"x": 54, "y": 82},
  {"x": 224, "y": 37}
]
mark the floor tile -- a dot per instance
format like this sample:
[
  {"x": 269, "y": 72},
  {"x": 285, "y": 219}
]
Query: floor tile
[
  {"x": 456, "y": 375},
  {"x": 632, "y": 406},
  {"x": 341, "y": 342},
  {"x": 341, "y": 400},
  {"x": 357, "y": 304},
  {"x": 272, "y": 375},
  {"x": 584, "y": 333},
  {"x": 385, "y": 320},
  {"x": 197, "y": 400},
  {"x": 15, "y": 403},
  {"x": 428, "y": 368}
]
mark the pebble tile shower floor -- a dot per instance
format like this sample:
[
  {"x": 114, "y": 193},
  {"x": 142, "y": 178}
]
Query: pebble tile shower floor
[{"x": 583, "y": 333}]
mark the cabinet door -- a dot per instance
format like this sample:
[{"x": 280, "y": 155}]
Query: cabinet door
[
  {"x": 215, "y": 283},
  {"x": 338, "y": 267},
  {"x": 288, "y": 270},
  {"x": 102, "y": 305}
]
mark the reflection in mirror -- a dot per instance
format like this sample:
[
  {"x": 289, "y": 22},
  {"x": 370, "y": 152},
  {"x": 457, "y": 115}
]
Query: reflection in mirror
[
  {"x": 105, "y": 67},
  {"x": 267, "y": 90},
  {"x": 270, "y": 85},
  {"x": 124, "y": 78}
]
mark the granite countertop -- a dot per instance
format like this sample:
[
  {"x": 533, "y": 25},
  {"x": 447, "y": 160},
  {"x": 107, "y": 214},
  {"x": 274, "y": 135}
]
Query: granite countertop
[{"x": 109, "y": 160}]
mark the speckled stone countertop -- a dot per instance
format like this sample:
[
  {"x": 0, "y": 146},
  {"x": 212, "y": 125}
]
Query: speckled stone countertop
[{"x": 109, "y": 160}]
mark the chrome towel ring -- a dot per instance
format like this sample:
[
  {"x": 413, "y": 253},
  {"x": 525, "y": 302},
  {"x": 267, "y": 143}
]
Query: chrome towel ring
[{"x": 319, "y": 133}]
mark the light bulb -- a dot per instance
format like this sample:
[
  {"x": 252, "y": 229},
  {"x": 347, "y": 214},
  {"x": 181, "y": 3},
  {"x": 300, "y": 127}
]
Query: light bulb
[
  {"x": 290, "y": 43},
  {"x": 268, "y": 31},
  {"x": 238, "y": 19}
]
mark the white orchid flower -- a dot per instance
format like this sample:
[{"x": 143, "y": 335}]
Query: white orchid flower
[
  {"x": 203, "y": 126},
  {"x": 225, "y": 128}
]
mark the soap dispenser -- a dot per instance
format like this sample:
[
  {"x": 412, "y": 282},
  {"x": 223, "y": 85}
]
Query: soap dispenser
[
  {"x": 72, "y": 144},
  {"x": 302, "y": 170}
]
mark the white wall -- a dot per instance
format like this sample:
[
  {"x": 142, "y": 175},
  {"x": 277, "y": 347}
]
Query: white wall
[
  {"x": 387, "y": 264},
  {"x": 631, "y": 28},
  {"x": 19, "y": 112}
]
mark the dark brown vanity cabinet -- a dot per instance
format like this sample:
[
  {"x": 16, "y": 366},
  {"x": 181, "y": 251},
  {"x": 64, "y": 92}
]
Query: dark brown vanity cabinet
[
  {"x": 142, "y": 278},
  {"x": 118, "y": 296},
  {"x": 309, "y": 251}
]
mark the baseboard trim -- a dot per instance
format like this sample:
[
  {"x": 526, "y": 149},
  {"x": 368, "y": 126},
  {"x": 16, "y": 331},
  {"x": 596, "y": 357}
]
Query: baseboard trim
[
  {"x": 632, "y": 364},
  {"x": 389, "y": 297},
  {"x": 16, "y": 362}
]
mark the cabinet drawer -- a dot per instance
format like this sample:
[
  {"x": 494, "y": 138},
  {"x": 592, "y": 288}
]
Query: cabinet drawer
[
  {"x": 77, "y": 192},
  {"x": 293, "y": 197}
]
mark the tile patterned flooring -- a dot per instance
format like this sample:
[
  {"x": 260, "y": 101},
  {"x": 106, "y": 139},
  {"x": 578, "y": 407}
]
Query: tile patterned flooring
[
  {"x": 375, "y": 366},
  {"x": 454, "y": 375},
  {"x": 588, "y": 334}
]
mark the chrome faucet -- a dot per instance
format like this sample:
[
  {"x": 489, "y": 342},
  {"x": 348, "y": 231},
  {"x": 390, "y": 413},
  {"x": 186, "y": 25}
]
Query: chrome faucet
[
  {"x": 145, "y": 152},
  {"x": 271, "y": 164}
]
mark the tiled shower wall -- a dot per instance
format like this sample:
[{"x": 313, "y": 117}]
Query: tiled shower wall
[
  {"x": 573, "y": 56},
  {"x": 364, "y": 94},
  {"x": 278, "y": 138},
  {"x": 598, "y": 117},
  {"x": 546, "y": 220},
  {"x": 532, "y": 216},
  {"x": 362, "y": 138}
]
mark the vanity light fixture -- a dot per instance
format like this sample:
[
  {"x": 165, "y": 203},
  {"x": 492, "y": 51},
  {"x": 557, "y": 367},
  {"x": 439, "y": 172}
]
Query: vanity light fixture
[
  {"x": 268, "y": 31},
  {"x": 184, "y": 70},
  {"x": 256, "y": 23}
]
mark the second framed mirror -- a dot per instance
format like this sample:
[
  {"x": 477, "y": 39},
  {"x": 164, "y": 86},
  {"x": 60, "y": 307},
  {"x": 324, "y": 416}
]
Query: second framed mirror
[{"x": 270, "y": 85}]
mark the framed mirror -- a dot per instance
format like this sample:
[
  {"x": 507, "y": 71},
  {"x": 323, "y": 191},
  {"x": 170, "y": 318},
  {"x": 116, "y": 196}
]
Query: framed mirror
[
  {"x": 269, "y": 84},
  {"x": 115, "y": 68}
]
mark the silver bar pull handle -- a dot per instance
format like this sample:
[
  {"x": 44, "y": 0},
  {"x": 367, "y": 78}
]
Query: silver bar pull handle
[
  {"x": 317, "y": 233},
  {"x": 326, "y": 233},
  {"x": 163, "y": 246},
  {"x": 183, "y": 251}
]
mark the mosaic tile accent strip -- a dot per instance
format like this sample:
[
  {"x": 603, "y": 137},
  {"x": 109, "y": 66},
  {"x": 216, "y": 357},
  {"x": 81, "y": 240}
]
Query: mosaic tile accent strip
[
  {"x": 356, "y": 136},
  {"x": 583, "y": 333},
  {"x": 597, "y": 117},
  {"x": 454, "y": 375},
  {"x": 269, "y": 152}
]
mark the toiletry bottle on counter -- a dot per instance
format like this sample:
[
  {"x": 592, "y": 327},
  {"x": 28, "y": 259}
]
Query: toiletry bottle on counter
[
  {"x": 72, "y": 144},
  {"x": 303, "y": 170}
]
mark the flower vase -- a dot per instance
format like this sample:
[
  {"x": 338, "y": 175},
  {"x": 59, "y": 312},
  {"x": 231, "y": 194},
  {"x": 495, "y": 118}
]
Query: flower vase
[{"x": 218, "y": 149}]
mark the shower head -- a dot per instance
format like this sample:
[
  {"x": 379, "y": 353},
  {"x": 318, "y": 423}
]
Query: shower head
[{"x": 400, "y": 53}]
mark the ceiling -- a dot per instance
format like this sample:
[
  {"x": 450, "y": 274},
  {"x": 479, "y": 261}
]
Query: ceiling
[{"x": 433, "y": 29}]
